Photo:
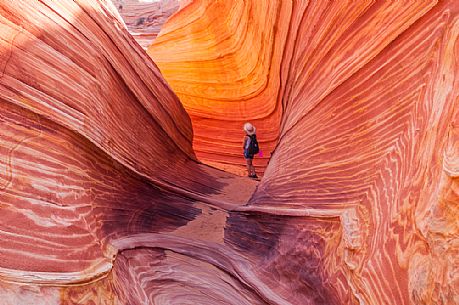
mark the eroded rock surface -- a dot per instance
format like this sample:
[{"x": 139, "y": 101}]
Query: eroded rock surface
[
  {"x": 103, "y": 201},
  {"x": 145, "y": 18}
]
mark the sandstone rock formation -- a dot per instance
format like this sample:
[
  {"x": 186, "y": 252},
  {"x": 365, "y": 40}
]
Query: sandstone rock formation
[
  {"x": 223, "y": 59},
  {"x": 103, "y": 200},
  {"x": 144, "y": 18}
]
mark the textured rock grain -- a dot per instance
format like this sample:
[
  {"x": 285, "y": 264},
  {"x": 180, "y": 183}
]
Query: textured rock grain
[{"x": 103, "y": 201}]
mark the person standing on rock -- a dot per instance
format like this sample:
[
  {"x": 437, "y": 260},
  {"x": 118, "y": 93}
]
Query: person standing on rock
[{"x": 250, "y": 148}]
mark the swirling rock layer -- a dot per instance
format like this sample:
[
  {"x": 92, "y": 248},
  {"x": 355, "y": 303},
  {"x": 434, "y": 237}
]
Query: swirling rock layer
[
  {"x": 104, "y": 202},
  {"x": 223, "y": 59}
]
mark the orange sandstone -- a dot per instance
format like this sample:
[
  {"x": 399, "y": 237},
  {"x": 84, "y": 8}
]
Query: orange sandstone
[{"x": 102, "y": 197}]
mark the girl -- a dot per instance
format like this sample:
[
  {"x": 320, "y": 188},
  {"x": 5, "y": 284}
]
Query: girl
[{"x": 250, "y": 138}]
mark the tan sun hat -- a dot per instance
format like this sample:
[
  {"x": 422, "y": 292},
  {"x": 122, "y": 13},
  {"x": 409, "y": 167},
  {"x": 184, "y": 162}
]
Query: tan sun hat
[{"x": 250, "y": 129}]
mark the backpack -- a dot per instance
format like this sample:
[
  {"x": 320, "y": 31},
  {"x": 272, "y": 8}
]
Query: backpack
[{"x": 253, "y": 146}]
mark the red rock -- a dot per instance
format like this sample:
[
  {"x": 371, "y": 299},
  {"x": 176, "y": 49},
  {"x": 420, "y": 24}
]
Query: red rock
[
  {"x": 84, "y": 129},
  {"x": 104, "y": 202},
  {"x": 368, "y": 141}
]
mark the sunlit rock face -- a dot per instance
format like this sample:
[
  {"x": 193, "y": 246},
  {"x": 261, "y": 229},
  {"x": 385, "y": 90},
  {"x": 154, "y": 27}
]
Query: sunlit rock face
[
  {"x": 103, "y": 200},
  {"x": 223, "y": 60},
  {"x": 144, "y": 18},
  {"x": 260, "y": 61}
]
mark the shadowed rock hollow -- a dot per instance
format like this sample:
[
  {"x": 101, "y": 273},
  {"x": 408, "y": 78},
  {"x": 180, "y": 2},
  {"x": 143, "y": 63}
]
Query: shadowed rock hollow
[{"x": 103, "y": 199}]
